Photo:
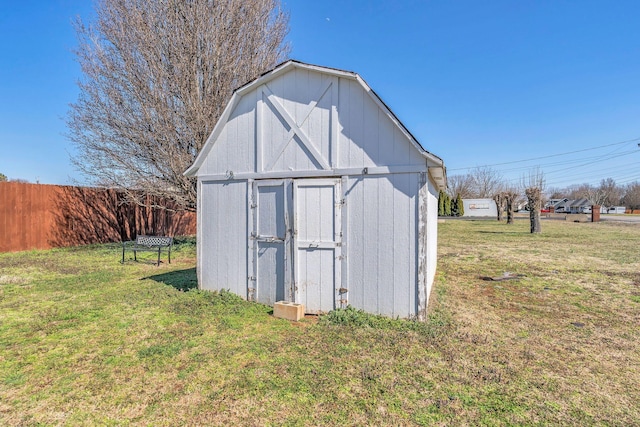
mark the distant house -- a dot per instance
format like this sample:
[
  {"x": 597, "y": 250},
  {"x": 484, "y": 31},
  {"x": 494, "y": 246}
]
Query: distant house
[
  {"x": 553, "y": 203},
  {"x": 582, "y": 205},
  {"x": 479, "y": 208},
  {"x": 561, "y": 206}
]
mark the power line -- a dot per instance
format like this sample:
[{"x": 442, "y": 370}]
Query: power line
[
  {"x": 548, "y": 156},
  {"x": 601, "y": 157}
]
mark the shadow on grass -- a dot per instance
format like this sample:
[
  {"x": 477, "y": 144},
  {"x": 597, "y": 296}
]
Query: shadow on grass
[
  {"x": 505, "y": 233},
  {"x": 183, "y": 280}
]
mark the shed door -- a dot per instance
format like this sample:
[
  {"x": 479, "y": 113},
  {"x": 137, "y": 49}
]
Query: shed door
[
  {"x": 317, "y": 234},
  {"x": 271, "y": 242}
]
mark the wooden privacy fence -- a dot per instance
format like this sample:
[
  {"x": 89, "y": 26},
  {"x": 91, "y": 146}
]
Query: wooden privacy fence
[{"x": 37, "y": 216}]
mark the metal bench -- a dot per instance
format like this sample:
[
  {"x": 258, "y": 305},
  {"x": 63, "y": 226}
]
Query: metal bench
[{"x": 148, "y": 244}]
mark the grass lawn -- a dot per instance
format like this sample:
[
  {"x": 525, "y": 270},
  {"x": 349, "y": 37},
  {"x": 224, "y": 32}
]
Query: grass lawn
[{"x": 87, "y": 341}]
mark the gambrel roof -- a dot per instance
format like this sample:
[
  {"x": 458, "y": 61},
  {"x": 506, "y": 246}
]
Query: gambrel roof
[{"x": 435, "y": 164}]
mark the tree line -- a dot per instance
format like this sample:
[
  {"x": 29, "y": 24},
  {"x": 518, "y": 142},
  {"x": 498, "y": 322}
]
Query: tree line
[
  {"x": 607, "y": 193},
  {"x": 486, "y": 183}
]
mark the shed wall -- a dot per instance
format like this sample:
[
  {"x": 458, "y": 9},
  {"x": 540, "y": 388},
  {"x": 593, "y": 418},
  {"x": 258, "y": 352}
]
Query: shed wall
[
  {"x": 381, "y": 243},
  {"x": 222, "y": 233},
  {"x": 432, "y": 235},
  {"x": 367, "y": 136},
  {"x": 303, "y": 123},
  {"x": 235, "y": 148},
  {"x": 343, "y": 122}
]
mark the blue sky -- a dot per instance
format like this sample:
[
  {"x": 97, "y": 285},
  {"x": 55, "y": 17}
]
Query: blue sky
[{"x": 477, "y": 82}]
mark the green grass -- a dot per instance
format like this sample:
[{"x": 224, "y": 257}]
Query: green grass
[{"x": 86, "y": 340}]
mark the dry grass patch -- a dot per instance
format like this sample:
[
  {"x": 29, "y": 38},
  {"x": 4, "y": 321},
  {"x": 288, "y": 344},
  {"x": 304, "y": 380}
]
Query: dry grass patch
[
  {"x": 86, "y": 341},
  {"x": 566, "y": 327}
]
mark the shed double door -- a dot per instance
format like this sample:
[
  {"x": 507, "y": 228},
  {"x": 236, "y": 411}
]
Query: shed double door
[{"x": 297, "y": 246}]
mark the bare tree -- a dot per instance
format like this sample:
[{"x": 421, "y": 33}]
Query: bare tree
[
  {"x": 575, "y": 191},
  {"x": 500, "y": 204},
  {"x": 557, "y": 193},
  {"x": 511, "y": 199},
  {"x": 596, "y": 195},
  {"x": 485, "y": 182},
  {"x": 608, "y": 193},
  {"x": 631, "y": 197},
  {"x": 612, "y": 192},
  {"x": 533, "y": 189},
  {"x": 157, "y": 75},
  {"x": 462, "y": 185}
]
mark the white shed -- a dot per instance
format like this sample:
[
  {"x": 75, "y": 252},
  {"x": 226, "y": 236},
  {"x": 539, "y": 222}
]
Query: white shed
[{"x": 310, "y": 190}]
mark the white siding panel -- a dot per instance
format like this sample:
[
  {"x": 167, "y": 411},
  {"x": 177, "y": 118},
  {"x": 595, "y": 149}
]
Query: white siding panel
[
  {"x": 316, "y": 280},
  {"x": 386, "y": 141},
  {"x": 403, "y": 151},
  {"x": 318, "y": 221},
  {"x": 385, "y": 235},
  {"x": 234, "y": 150},
  {"x": 224, "y": 230},
  {"x": 320, "y": 121},
  {"x": 368, "y": 137},
  {"x": 432, "y": 236},
  {"x": 355, "y": 213},
  {"x": 211, "y": 164},
  {"x": 303, "y": 96},
  {"x": 382, "y": 270},
  {"x": 271, "y": 273},
  {"x": 404, "y": 243},
  {"x": 371, "y": 243},
  {"x": 270, "y": 208},
  {"x": 274, "y": 133},
  {"x": 351, "y": 116}
]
